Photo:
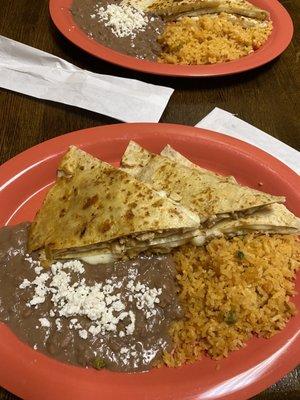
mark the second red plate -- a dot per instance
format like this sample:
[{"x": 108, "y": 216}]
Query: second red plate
[{"x": 275, "y": 45}]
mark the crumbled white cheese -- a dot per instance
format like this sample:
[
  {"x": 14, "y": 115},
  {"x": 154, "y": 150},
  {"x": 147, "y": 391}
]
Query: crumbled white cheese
[
  {"x": 45, "y": 323},
  {"x": 33, "y": 263},
  {"x": 100, "y": 303},
  {"x": 38, "y": 270},
  {"x": 24, "y": 284},
  {"x": 83, "y": 334},
  {"x": 130, "y": 328},
  {"x": 58, "y": 324},
  {"x": 148, "y": 355},
  {"x": 94, "y": 330},
  {"x": 138, "y": 351},
  {"x": 124, "y": 20},
  {"x": 14, "y": 252},
  {"x": 40, "y": 289},
  {"x": 146, "y": 297}
]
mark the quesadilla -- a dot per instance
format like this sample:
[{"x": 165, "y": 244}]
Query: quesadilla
[
  {"x": 210, "y": 196},
  {"x": 275, "y": 218},
  {"x": 97, "y": 213},
  {"x": 174, "y": 155},
  {"x": 172, "y": 10},
  {"x": 166, "y": 8},
  {"x": 136, "y": 158}
]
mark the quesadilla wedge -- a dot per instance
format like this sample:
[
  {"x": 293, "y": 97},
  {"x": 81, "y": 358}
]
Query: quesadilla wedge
[
  {"x": 174, "y": 155},
  {"x": 172, "y": 10},
  {"x": 136, "y": 158},
  {"x": 166, "y": 8},
  {"x": 97, "y": 213},
  {"x": 272, "y": 219},
  {"x": 208, "y": 195},
  {"x": 275, "y": 218}
]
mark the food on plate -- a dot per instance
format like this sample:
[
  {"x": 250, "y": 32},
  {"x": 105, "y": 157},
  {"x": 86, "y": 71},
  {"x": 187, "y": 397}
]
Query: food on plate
[
  {"x": 115, "y": 316},
  {"x": 171, "y": 9},
  {"x": 230, "y": 291},
  {"x": 212, "y": 197},
  {"x": 98, "y": 213},
  {"x": 273, "y": 219},
  {"x": 192, "y": 8},
  {"x": 175, "y": 32},
  {"x": 206, "y": 193},
  {"x": 157, "y": 262},
  {"x": 211, "y": 39},
  {"x": 124, "y": 27},
  {"x": 136, "y": 158}
]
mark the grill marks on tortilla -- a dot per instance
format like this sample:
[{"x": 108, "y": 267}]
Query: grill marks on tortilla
[
  {"x": 136, "y": 158},
  {"x": 274, "y": 218},
  {"x": 93, "y": 202},
  {"x": 201, "y": 191},
  {"x": 204, "y": 194},
  {"x": 174, "y": 155},
  {"x": 90, "y": 201}
]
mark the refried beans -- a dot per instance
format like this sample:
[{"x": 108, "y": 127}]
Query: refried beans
[
  {"x": 115, "y": 315},
  {"x": 142, "y": 43}
]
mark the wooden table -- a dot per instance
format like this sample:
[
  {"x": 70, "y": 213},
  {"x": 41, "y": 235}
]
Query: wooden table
[{"x": 268, "y": 98}]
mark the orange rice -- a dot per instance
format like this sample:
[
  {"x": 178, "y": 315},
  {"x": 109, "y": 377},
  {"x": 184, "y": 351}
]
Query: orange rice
[
  {"x": 212, "y": 39},
  {"x": 231, "y": 290}
]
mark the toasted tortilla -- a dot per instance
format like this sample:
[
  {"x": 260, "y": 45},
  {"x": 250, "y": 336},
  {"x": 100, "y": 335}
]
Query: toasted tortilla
[
  {"x": 97, "y": 212},
  {"x": 272, "y": 219},
  {"x": 136, "y": 158},
  {"x": 275, "y": 218},
  {"x": 174, "y": 155},
  {"x": 172, "y": 7},
  {"x": 172, "y": 10},
  {"x": 210, "y": 196}
]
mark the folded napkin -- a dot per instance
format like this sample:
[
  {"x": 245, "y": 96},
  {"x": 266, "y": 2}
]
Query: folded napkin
[
  {"x": 27, "y": 70},
  {"x": 224, "y": 122}
]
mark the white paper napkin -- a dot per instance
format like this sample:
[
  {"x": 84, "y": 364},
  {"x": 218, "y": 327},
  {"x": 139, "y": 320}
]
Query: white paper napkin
[
  {"x": 30, "y": 71},
  {"x": 224, "y": 122}
]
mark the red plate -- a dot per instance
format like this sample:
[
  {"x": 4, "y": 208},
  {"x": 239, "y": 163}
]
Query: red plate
[
  {"x": 275, "y": 45},
  {"x": 31, "y": 375}
]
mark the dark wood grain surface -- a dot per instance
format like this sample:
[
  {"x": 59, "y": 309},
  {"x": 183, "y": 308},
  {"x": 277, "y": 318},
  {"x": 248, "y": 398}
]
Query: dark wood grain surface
[{"x": 268, "y": 98}]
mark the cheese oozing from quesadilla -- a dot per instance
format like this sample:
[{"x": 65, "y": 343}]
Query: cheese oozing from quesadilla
[{"x": 97, "y": 213}]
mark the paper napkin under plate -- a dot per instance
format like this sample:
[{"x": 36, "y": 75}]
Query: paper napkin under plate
[
  {"x": 30, "y": 71},
  {"x": 224, "y": 122}
]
